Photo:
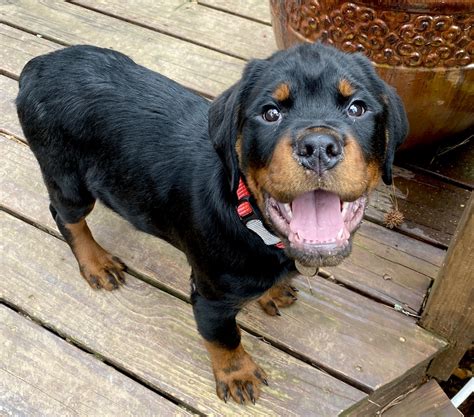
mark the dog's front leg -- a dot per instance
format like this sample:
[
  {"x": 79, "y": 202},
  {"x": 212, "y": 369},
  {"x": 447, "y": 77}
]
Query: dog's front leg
[{"x": 235, "y": 372}]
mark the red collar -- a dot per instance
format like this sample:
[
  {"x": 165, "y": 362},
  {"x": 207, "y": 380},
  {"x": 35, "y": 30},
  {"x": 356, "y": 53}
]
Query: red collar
[{"x": 248, "y": 216}]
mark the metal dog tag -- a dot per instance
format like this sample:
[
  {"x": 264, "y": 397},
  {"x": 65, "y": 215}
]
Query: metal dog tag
[{"x": 308, "y": 271}]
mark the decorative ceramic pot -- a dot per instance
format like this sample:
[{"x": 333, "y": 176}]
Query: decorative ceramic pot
[{"x": 424, "y": 48}]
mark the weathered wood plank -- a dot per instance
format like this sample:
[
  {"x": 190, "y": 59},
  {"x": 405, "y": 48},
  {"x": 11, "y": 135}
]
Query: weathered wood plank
[
  {"x": 453, "y": 160},
  {"x": 450, "y": 308},
  {"x": 432, "y": 208},
  {"x": 252, "y": 9},
  {"x": 8, "y": 118},
  {"x": 383, "y": 396},
  {"x": 194, "y": 66},
  {"x": 326, "y": 320},
  {"x": 41, "y": 374},
  {"x": 390, "y": 267},
  {"x": 195, "y": 23},
  {"x": 429, "y": 400},
  {"x": 18, "y": 47},
  {"x": 150, "y": 333},
  {"x": 427, "y": 259}
]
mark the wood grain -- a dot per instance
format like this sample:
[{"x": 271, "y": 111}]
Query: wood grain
[
  {"x": 380, "y": 398},
  {"x": 194, "y": 23},
  {"x": 390, "y": 267},
  {"x": 42, "y": 375},
  {"x": 450, "y": 308},
  {"x": 203, "y": 70},
  {"x": 328, "y": 320},
  {"x": 148, "y": 332},
  {"x": 8, "y": 118},
  {"x": 432, "y": 208},
  {"x": 429, "y": 400},
  {"x": 251, "y": 9},
  {"x": 451, "y": 161},
  {"x": 18, "y": 47}
]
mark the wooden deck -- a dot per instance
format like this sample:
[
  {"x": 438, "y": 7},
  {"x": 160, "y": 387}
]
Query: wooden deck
[{"x": 69, "y": 350}]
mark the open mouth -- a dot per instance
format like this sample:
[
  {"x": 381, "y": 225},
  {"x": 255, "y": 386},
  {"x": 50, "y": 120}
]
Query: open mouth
[{"x": 317, "y": 225}]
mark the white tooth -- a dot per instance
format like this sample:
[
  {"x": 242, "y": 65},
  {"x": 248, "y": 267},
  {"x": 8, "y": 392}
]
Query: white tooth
[
  {"x": 297, "y": 237},
  {"x": 340, "y": 235},
  {"x": 288, "y": 211},
  {"x": 345, "y": 208}
]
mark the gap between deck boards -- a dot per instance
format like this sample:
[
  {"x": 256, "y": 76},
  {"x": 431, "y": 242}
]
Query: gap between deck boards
[
  {"x": 143, "y": 22},
  {"x": 256, "y": 10},
  {"x": 83, "y": 348}
]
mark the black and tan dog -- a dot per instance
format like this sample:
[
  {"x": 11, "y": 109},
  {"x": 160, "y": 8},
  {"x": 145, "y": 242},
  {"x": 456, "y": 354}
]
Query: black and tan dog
[{"x": 276, "y": 170}]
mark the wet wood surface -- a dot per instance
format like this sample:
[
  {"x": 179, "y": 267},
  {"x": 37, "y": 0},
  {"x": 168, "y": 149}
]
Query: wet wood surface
[
  {"x": 148, "y": 332},
  {"x": 452, "y": 161},
  {"x": 43, "y": 375}
]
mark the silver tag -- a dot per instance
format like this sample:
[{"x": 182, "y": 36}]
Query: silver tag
[{"x": 308, "y": 271}]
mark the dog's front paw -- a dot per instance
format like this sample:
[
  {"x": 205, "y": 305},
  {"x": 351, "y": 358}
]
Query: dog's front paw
[
  {"x": 102, "y": 270},
  {"x": 236, "y": 374},
  {"x": 241, "y": 382},
  {"x": 280, "y": 295}
]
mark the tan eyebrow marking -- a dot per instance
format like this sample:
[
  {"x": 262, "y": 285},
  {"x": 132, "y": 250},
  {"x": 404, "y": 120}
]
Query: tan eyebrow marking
[
  {"x": 345, "y": 88},
  {"x": 282, "y": 92}
]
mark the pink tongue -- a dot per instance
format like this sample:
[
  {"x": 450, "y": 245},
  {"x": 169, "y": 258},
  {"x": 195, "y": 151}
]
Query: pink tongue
[{"x": 317, "y": 216}]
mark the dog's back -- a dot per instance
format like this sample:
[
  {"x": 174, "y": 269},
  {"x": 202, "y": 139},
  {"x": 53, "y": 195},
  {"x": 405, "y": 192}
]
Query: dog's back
[
  {"x": 103, "y": 127},
  {"x": 89, "y": 90}
]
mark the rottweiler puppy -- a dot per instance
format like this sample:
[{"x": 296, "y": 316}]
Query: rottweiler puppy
[{"x": 276, "y": 170}]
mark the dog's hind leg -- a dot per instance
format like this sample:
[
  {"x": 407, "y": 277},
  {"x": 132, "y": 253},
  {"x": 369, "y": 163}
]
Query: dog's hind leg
[{"x": 99, "y": 268}]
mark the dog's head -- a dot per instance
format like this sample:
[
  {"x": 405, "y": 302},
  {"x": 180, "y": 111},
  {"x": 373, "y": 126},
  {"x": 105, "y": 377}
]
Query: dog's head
[{"x": 311, "y": 130}]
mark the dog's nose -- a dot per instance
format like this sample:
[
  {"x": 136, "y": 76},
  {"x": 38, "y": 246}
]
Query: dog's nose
[{"x": 319, "y": 152}]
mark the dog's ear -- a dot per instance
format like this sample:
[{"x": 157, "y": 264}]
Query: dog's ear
[
  {"x": 396, "y": 129},
  {"x": 226, "y": 119},
  {"x": 394, "y": 117}
]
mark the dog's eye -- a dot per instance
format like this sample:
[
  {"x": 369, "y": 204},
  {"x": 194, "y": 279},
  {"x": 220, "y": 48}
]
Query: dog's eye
[
  {"x": 271, "y": 114},
  {"x": 356, "y": 109}
]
